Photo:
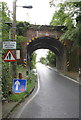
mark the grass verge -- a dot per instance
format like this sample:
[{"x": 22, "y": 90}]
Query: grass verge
[{"x": 31, "y": 80}]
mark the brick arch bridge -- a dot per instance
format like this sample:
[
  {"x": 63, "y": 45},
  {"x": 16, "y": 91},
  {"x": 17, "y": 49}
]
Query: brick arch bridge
[{"x": 45, "y": 37}]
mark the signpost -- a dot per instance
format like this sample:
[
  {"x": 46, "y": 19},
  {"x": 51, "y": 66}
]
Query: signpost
[
  {"x": 19, "y": 85},
  {"x": 9, "y": 45}
]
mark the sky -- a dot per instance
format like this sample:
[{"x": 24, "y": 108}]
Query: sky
[
  {"x": 41, "y": 53},
  {"x": 40, "y": 14}
]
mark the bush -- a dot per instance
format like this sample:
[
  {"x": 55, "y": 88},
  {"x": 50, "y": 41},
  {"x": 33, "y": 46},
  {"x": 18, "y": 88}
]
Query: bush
[
  {"x": 30, "y": 85},
  {"x": 6, "y": 80}
]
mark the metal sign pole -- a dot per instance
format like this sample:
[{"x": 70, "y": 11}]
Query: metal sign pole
[{"x": 13, "y": 35}]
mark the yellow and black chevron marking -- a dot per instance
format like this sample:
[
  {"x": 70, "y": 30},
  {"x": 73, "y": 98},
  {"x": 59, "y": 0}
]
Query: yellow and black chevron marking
[
  {"x": 27, "y": 43},
  {"x": 36, "y": 37},
  {"x": 65, "y": 44},
  {"x": 57, "y": 38},
  {"x": 24, "y": 63},
  {"x": 31, "y": 40},
  {"x": 68, "y": 64}
]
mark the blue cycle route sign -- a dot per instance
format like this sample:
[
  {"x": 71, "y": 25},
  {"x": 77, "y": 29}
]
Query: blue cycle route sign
[{"x": 19, "y": 85}]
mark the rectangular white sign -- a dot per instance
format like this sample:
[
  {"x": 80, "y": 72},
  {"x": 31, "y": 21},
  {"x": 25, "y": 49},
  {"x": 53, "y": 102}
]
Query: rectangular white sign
[
  {"x": 9, "y": 45},
  {"x": 17, "y": 54}
]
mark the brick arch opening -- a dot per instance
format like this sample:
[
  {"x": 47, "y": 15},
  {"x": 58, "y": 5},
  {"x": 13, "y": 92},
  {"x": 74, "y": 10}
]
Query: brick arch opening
[{"x": 46, "y": 42}]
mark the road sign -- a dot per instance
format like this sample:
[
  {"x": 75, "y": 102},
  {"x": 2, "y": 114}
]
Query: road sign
[
  {"x": 9, "y": 56},
  {"x": 9, "y": 45},
  {"x": 19, "y": 85},
  {"x": 17, "y": 54}
]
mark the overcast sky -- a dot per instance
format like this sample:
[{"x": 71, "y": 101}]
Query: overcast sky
[{"x": 41, "y": 13}]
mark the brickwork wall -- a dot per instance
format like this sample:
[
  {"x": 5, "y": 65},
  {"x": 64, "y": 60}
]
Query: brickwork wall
[{"x": 37, "y": 31}]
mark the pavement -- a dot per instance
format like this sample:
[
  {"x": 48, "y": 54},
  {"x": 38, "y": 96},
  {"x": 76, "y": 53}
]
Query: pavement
[{"x": 8, "y": 107}]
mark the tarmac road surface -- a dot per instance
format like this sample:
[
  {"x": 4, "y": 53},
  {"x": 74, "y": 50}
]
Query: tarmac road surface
[{"x": 58, "y": 97}]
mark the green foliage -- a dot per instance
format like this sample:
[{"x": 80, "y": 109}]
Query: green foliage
[
  {"x": 5, "y": 19},
  {"x": 6, "y": 79},
  {"x": 20, "y": 39},
  {"x": 30, "y": 85},
  {"x": 56, "y": 20},
  {"x": 6, "y": 76},
  {"x": 51, "y": 58},
  {"x": 21, "y": 28},
  {"x": 72, "y": 35},
  {"x": 69, "y": 14},
  {"x": 5, "y": 32},
  {"x": 5, "y": 13},
  {"x": 43, "y": 60},
  {"x": 63, "y": 16},
  {"x": 33, "y": 60}
]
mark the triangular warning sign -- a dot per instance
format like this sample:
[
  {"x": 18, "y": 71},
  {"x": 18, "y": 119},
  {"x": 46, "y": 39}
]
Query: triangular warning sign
[{"x": 9, "y": 56}]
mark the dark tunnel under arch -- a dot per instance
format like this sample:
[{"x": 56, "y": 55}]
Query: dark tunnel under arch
[
  {"x": 50, "y": 43},
  {"x": 45, "y": 43}
]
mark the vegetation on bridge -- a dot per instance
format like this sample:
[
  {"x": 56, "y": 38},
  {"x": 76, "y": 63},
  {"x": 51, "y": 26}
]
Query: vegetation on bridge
[{"x": 69, "y": 15}]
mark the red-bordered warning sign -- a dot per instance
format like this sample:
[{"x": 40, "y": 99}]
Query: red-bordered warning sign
[{"x": 9, "y": 56}]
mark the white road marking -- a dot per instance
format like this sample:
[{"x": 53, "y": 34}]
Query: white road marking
[
  {"x": 18, "y": 116},
  {"x": 76, "y": 81},
  {"x": 70, "y": 79}
]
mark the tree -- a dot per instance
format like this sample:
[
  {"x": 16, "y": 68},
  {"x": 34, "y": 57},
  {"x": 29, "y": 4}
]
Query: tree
[
  {"x": 61, "y": 18},
  {"x": 33, "y": 60},
  {"x": 43, "y": 60},
  {"x": 68, "y": 15},
  {"x": 6, "y": 76},
  {"x": 19, "y": 41},
  {"x": 51, "y": 58},
  {"x": 6, "y": 14},
  {"x": 70, "y": 12},
  {"x": 21, "y": 28}
]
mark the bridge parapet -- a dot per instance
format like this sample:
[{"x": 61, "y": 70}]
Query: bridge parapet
[{"x": 41, "y": 31}]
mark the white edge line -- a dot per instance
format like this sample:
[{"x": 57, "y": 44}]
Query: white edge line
[
  {"x": 20, "y": 112},
  {"x": 65, "y": 76},
  {"x": 70, "y": 78}
]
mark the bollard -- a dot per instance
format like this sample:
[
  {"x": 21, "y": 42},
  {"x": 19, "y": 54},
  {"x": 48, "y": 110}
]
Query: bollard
[{"x": 20, "y": 75}]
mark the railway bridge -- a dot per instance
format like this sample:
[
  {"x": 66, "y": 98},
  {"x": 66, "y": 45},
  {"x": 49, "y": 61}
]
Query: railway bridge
[{"x": 45, "y": 37}]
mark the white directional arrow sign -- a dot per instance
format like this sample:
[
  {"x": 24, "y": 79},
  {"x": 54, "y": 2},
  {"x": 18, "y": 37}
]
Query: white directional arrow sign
[{"x": 17, "y": 83}]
